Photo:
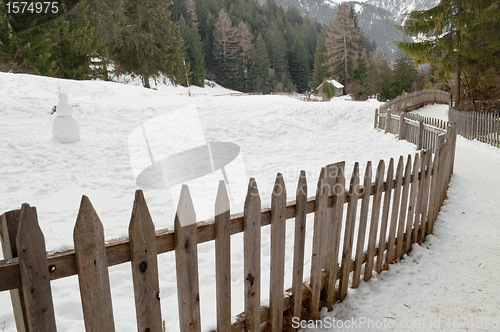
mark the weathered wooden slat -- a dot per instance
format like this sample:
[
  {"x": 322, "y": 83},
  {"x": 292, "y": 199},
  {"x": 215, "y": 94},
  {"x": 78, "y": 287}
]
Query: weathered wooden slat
[
  {"x": 403, "y": 209},
  {"x": 420, "y": 135},
  {"x": 316, "y": 259},
  {"x": 92, "y": 267},
  {"x": 332, "y": 171},
  {"x": 352, "y": 206},
  {"x": 223, "y": 258},
  {"x": 425, "y": 199},
  {"x": 278, "y": 236},
  {"x": 144, "y": 266},
  {"x": 363, "y": 224},
  {"x": 252, "y": 224},
  {"x": 402, "y": 126},
  {"x": 390, "y": 257},
  {"x": 434, "y": 200},
  {"x": 372, "y": 235},
  {"x": 385, "y": 215},
  {"x": 339, "y": 197},
  {"x": 299, "y": 244},
  {"x": 186, "y": 263},
  {"x": 412, "y": 204},
  {"x": 417, "y": 219},
  {"x": 9, "y": 223},
  {"x": 32, "y": 254}
]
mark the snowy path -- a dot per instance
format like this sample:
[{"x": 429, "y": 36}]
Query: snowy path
[{"x": 452, "y": 282}]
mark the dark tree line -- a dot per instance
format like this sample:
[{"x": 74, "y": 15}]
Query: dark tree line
[{"x": 242, "y": 44}]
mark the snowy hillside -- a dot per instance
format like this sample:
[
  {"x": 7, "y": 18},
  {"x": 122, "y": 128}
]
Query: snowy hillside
[{"x": 273, "y": 133}]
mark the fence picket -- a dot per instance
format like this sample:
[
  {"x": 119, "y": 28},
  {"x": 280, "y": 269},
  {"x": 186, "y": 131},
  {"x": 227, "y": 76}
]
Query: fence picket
[
  {"x": 337, "y": 215},
  {"x": 426, "y": 194},
  {"x": 316, "y": 259},
  {"x": 186, "y": 263},
  {"x": 34, "y": 274},
  {"x": 278, "y": 235},
  {"x": 299, "y": 244},
  {"x": 331, "y": 174},
  {"x": 385, "y": 216},
  {"x": 223, "y": 258},
  {"x": 434, "y": 202},
  {"x": 352, "y": 206},
  {"x": 402, "y": 211},
  {"x": 252, "y": 224},
  {"x": 389, "y": 258},
  {"x": 92, "y": 267},
  {"x": 9, "y": 223},
  {"x": 372, "y": 237},
  {"x": 144, "y": 266},
  {"x": 363, "y": 218}
]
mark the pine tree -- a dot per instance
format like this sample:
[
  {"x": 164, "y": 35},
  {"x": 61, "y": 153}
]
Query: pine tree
[
  {"x": 225, "y": 51},
  {"x": 459, "y": 40},
  {"x": 150, "y": 44},
  {"x": 245, "y": 41},
  {"x": 194, "y": 54},
  {"x": 260, "y": 68},
  {"x": 60, "y": 47},
  {"x": 299, "y": 65},
  {"x": 343, "y": 45},
  {"x": 321, "y": 69},
  {"x": 403, "y": 77}
]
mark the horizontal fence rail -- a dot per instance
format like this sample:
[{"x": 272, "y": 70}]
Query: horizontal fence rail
[{"x": 361, "y": 225}]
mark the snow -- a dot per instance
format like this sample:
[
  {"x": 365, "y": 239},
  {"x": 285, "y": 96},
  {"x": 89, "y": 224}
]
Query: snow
[
  {"x": 450, "y": 283},
  {"x": 119, "y": 123},
  {"x": 124, "y": 128}
]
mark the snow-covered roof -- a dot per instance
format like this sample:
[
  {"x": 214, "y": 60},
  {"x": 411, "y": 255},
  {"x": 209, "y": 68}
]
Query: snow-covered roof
[{"x": 336, "y": 84}]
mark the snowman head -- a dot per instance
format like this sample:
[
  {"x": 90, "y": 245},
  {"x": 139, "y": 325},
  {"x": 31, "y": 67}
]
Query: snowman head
[{"x": 63, "y": 106}]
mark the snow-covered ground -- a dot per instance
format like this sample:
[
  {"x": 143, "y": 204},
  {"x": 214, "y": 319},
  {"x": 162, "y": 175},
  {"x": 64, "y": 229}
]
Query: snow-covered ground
[
  {"x": 451, "y": 282},
  {"x": 124, "y": 128}
]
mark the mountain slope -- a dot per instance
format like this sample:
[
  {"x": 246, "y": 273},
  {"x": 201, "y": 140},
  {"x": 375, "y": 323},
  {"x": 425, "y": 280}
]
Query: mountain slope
[{"x": 377, "y": 18}]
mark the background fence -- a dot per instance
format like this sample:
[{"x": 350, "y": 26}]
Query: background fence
[
  {"x": 414, "y": 100},
  {"x": 482, "y": 126}
]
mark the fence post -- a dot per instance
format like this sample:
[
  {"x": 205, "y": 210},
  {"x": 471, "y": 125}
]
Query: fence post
[
  {"x": 9, "y": 222},
  {"x": 402, "y": 127},
  {"x": 375, "y": 120},
  {"x": 34, "y": 273},
  {"x": 420, "y": 134},
  {"x": 387, "y": 120}
]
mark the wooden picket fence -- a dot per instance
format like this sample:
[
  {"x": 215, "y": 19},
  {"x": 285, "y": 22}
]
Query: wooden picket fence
[
  {"x": 482, "y": 126},
  {"x": 414, "y": 100},
  {"x": 397, "y": 209},
  {"x": 425, "y": 132}
]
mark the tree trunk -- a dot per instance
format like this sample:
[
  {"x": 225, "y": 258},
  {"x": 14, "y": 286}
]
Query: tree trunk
[
  {"x": 145, "y": 81},
  {"x": 456, "y": 95},
  {"x": 345, "y": 59}
]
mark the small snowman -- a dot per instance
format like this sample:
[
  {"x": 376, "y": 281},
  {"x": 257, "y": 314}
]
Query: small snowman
[{"x": 65, "y": 128}]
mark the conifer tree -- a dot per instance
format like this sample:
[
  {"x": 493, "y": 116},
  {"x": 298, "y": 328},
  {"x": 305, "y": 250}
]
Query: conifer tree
[
  {"x": 343, "y": 45},
  {"x": 225, "y": 50},
  {"x": 299, "y": 65},
  {"x": 149, "y": 43},
  {"x": 260, "y": 68},
  {"x": 457, "y": 38},
  {"x": 194, "y": 54}
]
